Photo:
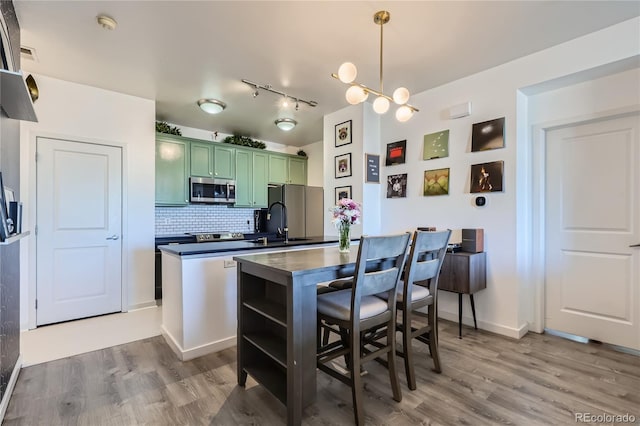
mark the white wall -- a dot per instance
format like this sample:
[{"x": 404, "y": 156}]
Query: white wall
[
  {"x": 494, "y": 93},
  {"x": 82, "y": 113},
  {"x": 315, "y": 163}
]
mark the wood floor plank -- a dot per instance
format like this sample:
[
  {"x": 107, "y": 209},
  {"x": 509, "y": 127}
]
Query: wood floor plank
[{"x": 486, "y": 380}]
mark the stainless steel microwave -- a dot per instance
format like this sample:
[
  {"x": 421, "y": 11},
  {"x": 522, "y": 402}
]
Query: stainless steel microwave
[{"x": 212, "y": 191}]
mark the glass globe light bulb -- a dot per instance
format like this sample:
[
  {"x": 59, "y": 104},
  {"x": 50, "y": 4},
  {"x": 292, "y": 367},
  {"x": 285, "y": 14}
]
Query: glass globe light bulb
[
  {"x": 404, "y": 113},
  {"x": 355, "y": 95},
  {"x": 381, "y": 105},
  {"x": 347, "y": 72},
  {"x": 401, "y": 95}
]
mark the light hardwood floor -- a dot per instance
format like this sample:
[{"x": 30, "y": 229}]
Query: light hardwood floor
[{"x": 486, "y": 380}]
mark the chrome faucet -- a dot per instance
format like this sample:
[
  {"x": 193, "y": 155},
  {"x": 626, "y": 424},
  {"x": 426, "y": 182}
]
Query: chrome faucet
[{"x": 284, "y": 231}]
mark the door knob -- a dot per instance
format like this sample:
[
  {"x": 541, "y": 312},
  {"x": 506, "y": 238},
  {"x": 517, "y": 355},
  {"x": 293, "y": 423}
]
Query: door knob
[
  {"x": 113, "y": 237},
  {"x": 635, "y": 245}
]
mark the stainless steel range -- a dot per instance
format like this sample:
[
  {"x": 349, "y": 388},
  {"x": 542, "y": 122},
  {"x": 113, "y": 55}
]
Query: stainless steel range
[{"x": 207, "y": 237}]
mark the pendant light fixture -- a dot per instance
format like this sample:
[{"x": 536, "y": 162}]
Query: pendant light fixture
[{"x": 358, "y": 92}]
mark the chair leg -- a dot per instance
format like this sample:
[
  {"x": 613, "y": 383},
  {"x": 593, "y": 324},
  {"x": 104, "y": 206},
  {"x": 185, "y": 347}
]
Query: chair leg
[
  {"x": 433, "y": 339},
  {"x": 391, "y": 361},
  {"x": 356, "y": 379},
  {"x": 325, "y": 337},
  {"x": 407, "y": 349}
]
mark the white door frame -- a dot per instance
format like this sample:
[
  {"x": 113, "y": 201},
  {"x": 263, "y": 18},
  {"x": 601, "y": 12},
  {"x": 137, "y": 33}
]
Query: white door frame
[
  {"x": 32, "y": 200},
  {"x": 538, "y": 196}
]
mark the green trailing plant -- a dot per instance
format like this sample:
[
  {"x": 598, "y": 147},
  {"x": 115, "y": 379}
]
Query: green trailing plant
[
  {"x": 163, "y": 127},
  {"x": 244, "y": 141},
  {"x": 301, "y": 153}
]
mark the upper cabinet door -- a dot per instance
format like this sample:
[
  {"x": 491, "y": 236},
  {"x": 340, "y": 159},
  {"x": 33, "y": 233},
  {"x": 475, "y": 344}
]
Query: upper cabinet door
[
  {"x": 172, "y": 172},
  {"x": 224, "y": 162},
  {"x": 260, "y": 176},
  {"x": 201, "y": 159},
  {"x": 278, "y": 169},
  {"x": 298, "y": 170},
  {"x": 244, "y": 175}
]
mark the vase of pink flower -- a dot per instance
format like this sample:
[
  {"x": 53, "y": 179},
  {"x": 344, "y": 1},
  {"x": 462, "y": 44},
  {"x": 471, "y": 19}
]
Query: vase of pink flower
[{"x": 345, "y": 214}]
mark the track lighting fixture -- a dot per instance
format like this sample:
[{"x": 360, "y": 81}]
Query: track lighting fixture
[
  {"x": 256, "y": 93},
  {"x": 358, "y": 92},
  {"x": 269, "y": 88}
]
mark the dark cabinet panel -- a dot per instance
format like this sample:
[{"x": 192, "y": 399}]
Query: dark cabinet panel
[{"x": 463, "y": 273}]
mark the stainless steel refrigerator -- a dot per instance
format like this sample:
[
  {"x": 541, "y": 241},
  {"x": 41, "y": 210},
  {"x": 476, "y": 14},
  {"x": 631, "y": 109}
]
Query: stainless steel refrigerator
[{"x": 305, "y": 210}]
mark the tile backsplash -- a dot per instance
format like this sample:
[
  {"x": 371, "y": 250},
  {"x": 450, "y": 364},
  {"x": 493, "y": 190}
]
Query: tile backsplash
[{"x": 203, "y": 218}]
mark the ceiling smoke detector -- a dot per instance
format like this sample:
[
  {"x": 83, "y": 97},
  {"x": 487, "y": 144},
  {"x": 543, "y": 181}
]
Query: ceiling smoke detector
[{"x": 106, "y": 22}]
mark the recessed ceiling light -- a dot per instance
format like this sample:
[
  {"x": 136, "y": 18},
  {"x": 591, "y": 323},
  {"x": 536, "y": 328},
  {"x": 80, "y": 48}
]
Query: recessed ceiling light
[
  {"x": 286, "y": 124},
  {"x": 211, "y": 106},
  {"x": 106, "y": 22}
]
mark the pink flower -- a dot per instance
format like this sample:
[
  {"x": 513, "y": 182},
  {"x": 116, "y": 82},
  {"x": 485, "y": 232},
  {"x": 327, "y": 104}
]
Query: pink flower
[{"x": 346, "y": 211}]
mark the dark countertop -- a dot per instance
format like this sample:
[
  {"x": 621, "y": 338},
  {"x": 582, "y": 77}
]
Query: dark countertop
[{"x": 220, "y": 247}]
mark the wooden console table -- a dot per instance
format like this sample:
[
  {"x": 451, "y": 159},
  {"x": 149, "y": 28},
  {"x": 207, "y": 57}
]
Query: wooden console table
[{"x": 463, "y": 273}]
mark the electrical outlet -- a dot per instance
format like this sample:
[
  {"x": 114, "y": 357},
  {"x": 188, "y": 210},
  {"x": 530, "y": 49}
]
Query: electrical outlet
[{"x": 229, "y": 263}]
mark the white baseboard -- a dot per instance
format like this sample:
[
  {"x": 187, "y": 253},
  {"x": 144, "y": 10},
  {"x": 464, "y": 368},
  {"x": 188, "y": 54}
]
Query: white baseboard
[
  {"x": 186, "y": 355},
  {"x": 515, "y": 333},
  {"x": 12, "y": 383}
]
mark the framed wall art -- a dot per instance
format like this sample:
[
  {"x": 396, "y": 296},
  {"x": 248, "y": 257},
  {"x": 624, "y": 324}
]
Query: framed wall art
[
  {"x": 436, "y": 145},
  {"x": 436, "y": 182},
  {"x": 397, "y": 186},
  {"x": 343, "y": 192},
  {"x": 487, "y": 135},
  {"x": 372, "y": 163},
  {"x": 396, "y": 152},
  {"x": 487, "y": 177},
  {"x": 343, "y": 165},
  {"x": 343, "y": 133}
]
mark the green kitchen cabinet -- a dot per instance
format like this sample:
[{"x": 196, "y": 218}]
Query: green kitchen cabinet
[
  {"x": 224, "y": 165},
  {"x": 285, "y": 168},
  {"x": 172, "y": 171},
  {"x": 278, "y": 168},
  {"x": 201, "y": 159},
  {"x": 298, "y": 170},
  {"x": 211, "y": 160},
  {"x": 251, "y": 179}
]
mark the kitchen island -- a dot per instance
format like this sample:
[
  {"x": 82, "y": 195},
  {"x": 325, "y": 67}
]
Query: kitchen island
[
  {"x": 277, "y": 319},
  {"x": 199, "y": 288}
]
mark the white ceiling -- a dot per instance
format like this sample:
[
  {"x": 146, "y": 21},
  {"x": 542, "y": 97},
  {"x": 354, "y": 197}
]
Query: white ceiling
[{"x": 179, "y": 51}]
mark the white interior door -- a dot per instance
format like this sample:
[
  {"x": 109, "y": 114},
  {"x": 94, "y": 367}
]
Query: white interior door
[
  {"x": 592, "y": 285},
  {"x": 79, "y": 222}
]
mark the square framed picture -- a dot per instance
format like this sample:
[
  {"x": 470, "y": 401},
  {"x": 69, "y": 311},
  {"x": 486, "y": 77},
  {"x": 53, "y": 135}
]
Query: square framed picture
[
  {"x": 487, "y": 177},
  {"x": 343, "y": 192},
  {"x": 397, "y": 186},
  {"x": 343, "y": 165},
  {"x": 436, "y": 182},
  {"x": 396, "y": 152},
  {"x": 343, "y": 133},
  {"x": 436, "y": 145},
  {"x": 487, "y": 135}
]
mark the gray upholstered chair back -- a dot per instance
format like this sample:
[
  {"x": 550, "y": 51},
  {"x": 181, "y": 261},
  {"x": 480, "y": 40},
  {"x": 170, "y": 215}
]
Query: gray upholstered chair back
[
  {"x": 425, "y": 259},
  {"x": 389, "y": 254}
]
